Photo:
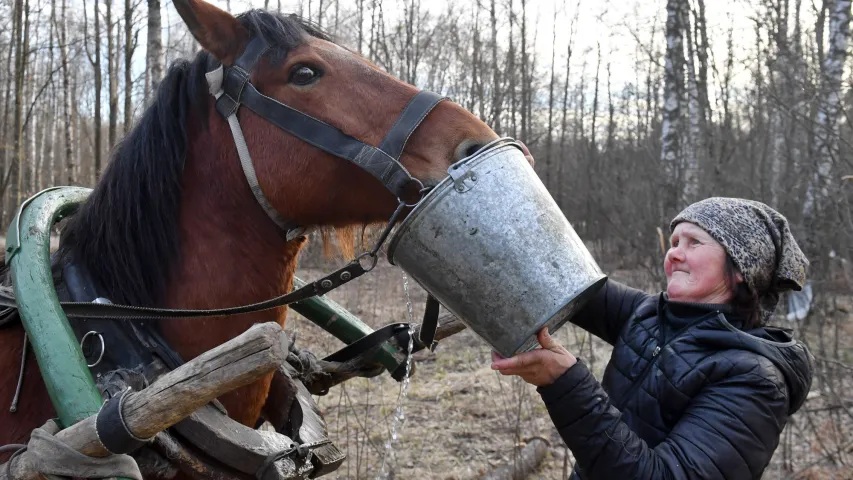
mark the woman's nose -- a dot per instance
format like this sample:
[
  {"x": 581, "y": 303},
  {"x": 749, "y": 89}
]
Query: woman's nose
[{"x": 675, "y": 254}]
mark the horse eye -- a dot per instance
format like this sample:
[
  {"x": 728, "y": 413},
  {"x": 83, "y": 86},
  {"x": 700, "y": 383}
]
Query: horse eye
[{"x": 303, "y": 75}]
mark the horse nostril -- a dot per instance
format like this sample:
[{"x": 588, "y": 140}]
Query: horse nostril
[
  {"x": 467, "y": 148},
  {"x": 473, "y": 149}
]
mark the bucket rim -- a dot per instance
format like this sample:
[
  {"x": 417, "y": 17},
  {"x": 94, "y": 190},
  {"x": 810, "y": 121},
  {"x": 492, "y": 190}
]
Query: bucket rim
[
  {"x": 586, "y": 290},
  {"x": 442, "y": 187}
]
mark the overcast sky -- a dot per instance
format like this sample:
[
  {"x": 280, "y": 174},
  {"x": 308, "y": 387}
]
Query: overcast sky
[{"x": 610, "y": 24}]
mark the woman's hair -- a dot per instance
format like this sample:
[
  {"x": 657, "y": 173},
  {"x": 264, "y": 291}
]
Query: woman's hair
[{"x": 745, "y": 301}]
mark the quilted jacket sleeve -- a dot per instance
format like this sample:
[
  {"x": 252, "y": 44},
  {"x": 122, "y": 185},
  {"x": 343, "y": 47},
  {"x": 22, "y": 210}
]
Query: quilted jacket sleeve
[
  {"x": 729, "y": 432},
  {"x": 609, "y": 309}
]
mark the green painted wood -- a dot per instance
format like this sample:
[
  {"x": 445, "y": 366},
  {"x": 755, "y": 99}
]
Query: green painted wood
[
  {"x": 69, "y": 383},
  {"x": 335, "y": 319}
]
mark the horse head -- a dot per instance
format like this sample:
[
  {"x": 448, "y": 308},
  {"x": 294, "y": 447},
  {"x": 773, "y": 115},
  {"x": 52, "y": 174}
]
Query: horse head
[{"x": 307, "y": 72}]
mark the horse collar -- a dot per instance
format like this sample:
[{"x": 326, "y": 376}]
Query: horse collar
[{"x": 232, "y": 87}]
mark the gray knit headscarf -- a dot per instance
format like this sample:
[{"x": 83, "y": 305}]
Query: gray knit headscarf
[{"x": 759, "y": 241}]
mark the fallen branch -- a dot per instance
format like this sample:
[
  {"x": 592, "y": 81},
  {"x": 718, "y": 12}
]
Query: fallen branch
[
  {"x": 523, "y": 463},
  {"x": 177, "y": 394}
]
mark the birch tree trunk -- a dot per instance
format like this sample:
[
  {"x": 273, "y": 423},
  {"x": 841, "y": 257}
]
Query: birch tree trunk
[
  {"x": 829, "y": 107},
  {"x": 154, "y": 63},
  {"x": 671, "y": 135},
  {"x": 691, "y": 147}
]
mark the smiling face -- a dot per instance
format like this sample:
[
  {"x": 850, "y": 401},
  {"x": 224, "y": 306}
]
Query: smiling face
[{"x": 695, "y": 267}]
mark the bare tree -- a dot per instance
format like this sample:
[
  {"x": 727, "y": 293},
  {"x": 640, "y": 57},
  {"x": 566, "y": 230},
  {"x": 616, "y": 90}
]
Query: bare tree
[
  {"x": 129, "y": 49},
  {"x": 95, "y": 61},
  {"x": 550, "y": 135},
  {"x": 154, "y": 58},
  {"x": 112, "y": 72},
  {"x": 510, "y": 74},
  {"x": 21, "y": 46},
  {"x": 829, "y": 106},
  {"x": 10, "y": 74},
  {"x": 70, "y": 165},
  {"x": 671, "y": 136},
  {"x": 525, "y": 75},
  {"x": 496, "y": 71}
]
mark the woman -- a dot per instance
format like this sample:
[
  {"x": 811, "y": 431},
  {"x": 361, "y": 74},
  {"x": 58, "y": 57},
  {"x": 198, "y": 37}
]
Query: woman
[{"x": 697, "y": 386}]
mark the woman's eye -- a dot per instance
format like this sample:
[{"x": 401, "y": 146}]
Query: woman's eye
[{"x": 303, "y": 75}]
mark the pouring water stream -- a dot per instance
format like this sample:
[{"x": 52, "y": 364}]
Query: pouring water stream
[{"x": 399, "y": 415}]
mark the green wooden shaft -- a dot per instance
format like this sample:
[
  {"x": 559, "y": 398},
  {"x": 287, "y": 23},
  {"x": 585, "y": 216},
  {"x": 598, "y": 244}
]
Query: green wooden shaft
[
  {"x": 66, "y": 375},
  {"x": 345, "y": 326}
]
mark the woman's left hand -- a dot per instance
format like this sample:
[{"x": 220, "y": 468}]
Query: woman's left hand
[{"x": 539, "y": 367}]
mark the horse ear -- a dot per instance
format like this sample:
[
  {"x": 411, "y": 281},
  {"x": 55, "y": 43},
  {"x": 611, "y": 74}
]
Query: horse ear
[{"x": 216, "y": 30}]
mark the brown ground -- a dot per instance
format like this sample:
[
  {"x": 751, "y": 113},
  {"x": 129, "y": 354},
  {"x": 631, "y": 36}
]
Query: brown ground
[{"x": 462, "y": 419}]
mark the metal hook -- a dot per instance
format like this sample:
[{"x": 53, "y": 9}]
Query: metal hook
[{"x": 103, "y": 347}]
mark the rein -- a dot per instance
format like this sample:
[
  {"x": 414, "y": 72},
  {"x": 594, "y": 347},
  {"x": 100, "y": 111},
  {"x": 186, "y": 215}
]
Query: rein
[{"x": 356, "y": 268}]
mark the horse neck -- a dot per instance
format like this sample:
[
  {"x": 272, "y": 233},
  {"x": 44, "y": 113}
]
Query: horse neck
[{"x": 231, "y": 253}]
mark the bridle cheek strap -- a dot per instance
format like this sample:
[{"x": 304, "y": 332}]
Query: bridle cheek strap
[
  {"x": 232, "y": 88},
  {"x": 291, "y": 229}
]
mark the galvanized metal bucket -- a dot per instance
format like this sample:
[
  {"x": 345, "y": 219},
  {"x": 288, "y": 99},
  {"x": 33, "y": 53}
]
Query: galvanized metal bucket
[{"x": 492, "y": 246}]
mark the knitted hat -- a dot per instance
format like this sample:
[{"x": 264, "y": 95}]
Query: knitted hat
[{"x": 759, "y": 241}]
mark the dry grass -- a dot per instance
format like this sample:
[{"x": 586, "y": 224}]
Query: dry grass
[{"x": 462, "y": 419}]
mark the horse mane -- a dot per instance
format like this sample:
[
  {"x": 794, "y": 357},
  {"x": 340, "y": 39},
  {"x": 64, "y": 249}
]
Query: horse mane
[{"x": 126, "y": 233}]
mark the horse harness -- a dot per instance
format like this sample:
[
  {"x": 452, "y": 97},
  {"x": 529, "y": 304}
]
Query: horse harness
[
  {"x": 142, "y": 344},
  {"x": 232, "y": 87}
]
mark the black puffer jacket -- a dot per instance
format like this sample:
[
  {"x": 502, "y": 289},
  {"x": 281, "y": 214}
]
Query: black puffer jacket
[{"x": 686, "y": 394}]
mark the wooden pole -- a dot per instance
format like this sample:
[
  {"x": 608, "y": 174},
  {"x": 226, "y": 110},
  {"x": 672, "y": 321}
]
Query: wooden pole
[{"x": 177, "y": 394}]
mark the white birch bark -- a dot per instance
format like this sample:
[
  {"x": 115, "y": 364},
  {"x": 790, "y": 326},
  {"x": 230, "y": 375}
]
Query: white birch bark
[
  {"x": 154, "y": 66},
  {"x": 691, "y": 146},
  {"x": 829, "y": 108},
  {"x": 671, "y": 131}
]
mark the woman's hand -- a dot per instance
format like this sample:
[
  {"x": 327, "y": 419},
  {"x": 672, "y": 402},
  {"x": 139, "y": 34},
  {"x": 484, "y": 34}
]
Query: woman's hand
[{"x": 539, "y": 367}]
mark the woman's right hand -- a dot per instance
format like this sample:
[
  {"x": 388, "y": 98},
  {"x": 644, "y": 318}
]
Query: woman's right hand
[{"x": 539, "y": 367}]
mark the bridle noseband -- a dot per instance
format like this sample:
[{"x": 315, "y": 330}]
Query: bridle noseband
[{"x": 232, "y": 87}]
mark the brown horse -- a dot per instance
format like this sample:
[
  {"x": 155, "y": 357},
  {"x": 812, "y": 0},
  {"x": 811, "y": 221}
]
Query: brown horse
[{"x": 173, "y": 223}]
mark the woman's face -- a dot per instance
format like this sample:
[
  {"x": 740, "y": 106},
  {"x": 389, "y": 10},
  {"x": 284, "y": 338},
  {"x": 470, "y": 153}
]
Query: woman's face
[{"x": 695, "y": 267}]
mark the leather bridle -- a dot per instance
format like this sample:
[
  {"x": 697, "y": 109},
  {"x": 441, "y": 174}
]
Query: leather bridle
[{"x": 232, "y": 88}]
